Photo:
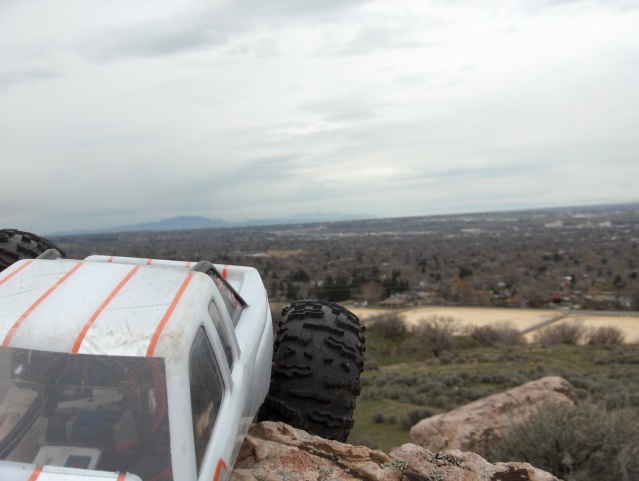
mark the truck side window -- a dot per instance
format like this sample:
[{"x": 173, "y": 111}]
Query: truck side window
[
  {"x": 207, "y": 389},
  {"x": 221, "y": 330}
]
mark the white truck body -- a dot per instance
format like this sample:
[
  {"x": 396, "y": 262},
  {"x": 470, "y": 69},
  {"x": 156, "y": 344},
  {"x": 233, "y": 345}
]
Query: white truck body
[{"x": 122, "y": 309}]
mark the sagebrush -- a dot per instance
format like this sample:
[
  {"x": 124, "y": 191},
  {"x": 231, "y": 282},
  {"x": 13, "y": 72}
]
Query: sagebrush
[{"x": 584, "y": 443}]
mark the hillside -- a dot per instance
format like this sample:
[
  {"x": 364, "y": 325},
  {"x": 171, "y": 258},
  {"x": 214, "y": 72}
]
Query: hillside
[{"x": 404, "y": 383}]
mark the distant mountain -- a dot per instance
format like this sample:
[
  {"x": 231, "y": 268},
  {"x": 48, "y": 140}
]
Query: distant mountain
[
  {"x": 185, "y": 222},
  {"x": 182, "y": 222}
]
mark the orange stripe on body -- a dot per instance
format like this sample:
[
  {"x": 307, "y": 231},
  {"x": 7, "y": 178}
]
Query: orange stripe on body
[
  {"x": 220, "y": 465},
  {"x": 110, "y": 259},
  {"x": 15, "y": 272},
  {"x": 167, "y": 315},
  {"x": 36, "y": 472},
  {"x": 85, "y": 329},
  {"x": 121, "y": 477},
  {"x": 16, "y": 325},
  {"x": 225, "y": 270},
  {"x": 148, "y": 262}
]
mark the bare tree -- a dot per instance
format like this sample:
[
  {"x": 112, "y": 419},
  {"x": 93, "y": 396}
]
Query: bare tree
[
  {"x": 435, "y": 334},
  {"x": 605, "y": 336},
  {"x": 562, "y": 333},
  {"x": 388, "y": 326},
  {"x": 497, "y": 335}
]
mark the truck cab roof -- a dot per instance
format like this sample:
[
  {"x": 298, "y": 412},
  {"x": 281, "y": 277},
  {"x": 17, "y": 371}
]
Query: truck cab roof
[{"x": 107, "y": 305}]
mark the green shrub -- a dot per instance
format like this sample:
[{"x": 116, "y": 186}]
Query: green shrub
[
  {"x": 445, "y": 390},
  {"x": 447, "y": 358},
  {"x": 363, "y": 440},
  {"x": 585, "y": 443},
  {"x": 414, "y": 416},
  {"x": 371, "y": 365},
  {"x": 377, "y": 417}
]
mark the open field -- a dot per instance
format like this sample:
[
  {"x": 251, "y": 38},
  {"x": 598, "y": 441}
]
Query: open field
[{"x": 520, "y": 319}]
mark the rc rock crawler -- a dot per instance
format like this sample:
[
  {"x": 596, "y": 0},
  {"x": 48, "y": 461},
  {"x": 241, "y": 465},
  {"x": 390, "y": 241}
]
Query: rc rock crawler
[{"x": 122, "y": 369}]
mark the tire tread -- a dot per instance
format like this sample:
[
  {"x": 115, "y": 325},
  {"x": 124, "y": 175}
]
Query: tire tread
[
  {"x": 317, "y": 361},
  {"x": 16, "y": 245}
]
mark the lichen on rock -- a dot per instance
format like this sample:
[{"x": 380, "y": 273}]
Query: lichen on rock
[{"x": 277, "y": 452}]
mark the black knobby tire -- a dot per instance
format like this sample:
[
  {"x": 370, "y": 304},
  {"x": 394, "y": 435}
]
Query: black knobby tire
[
  {"x": 317, "y": 361},
  {"x": 16, "y": 245}
]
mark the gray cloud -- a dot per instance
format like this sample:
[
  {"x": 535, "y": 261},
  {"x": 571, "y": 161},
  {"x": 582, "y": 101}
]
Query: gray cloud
[
  {"x": 293, "y": 8},
  {"x": 153, "y": 39},
  {"x": 342, "y": 109},
  {"x": 619, "y": 4},
  {"x": 200, "y": 27},
  {"x": 20, "y": 76},
  {"x": 368, "y": 40},
  {"x": 260, "y": 109}
]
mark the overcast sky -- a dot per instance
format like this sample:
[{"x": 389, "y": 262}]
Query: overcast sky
[{"x": 121, "y": 112}]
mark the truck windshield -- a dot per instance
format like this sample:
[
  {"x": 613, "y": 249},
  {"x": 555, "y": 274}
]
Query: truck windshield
[{"x": 94, "y": 412}]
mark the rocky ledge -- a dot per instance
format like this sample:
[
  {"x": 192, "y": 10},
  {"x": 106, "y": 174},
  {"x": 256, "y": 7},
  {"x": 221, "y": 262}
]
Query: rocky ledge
[
  {"x": 478, "y": 426},
  {"x": 277, "y": 452}
]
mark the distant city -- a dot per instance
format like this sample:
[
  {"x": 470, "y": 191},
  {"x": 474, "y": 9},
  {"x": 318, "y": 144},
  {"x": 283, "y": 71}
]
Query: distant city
[{"x": 573, "y": 257}]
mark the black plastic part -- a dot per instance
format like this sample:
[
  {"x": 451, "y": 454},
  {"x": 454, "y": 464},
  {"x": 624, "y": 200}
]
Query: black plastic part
[
  {"x": 317, "y": 361},
  {"x": 232, "y": 300}
]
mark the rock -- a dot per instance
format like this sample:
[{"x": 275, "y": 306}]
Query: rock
[
  {"x": 479, "y": 425},
  {"x": 277, "y": 452},
  {"x": 459, "y": 466}
]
